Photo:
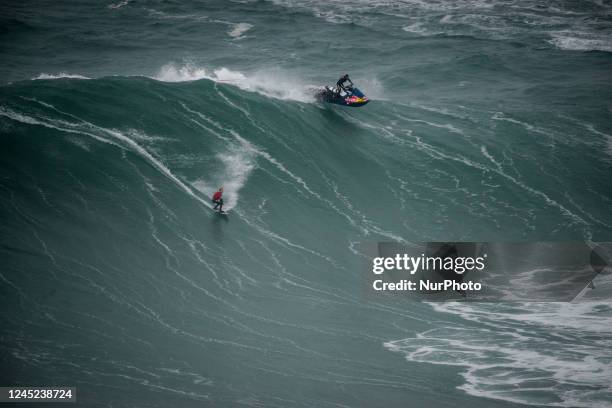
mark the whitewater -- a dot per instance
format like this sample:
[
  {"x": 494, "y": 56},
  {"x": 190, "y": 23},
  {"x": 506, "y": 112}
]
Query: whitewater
[{"x": 489, "y": 121}]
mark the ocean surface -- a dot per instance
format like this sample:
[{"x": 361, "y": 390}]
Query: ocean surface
[{"x": 490, "y": 121}]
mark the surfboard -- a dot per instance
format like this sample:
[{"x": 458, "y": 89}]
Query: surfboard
[
  {"x": 221, "y": 213},
  {"x": 224, "y": 213}
]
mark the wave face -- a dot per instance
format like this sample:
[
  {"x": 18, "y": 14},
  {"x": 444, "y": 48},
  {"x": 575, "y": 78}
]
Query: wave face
[{"x": 118, "y": 278}]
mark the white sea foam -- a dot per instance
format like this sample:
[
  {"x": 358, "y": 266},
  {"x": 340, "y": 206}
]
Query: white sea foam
[
  {"x": 59, "y": 76},
  {"x": 415, "y": 28},
  {"x": 272, "y": 83},
  {"x": 166, "y": 16},
  {"x": 118, "y": 4},
  {"x": 182, "y": 73},
  {"x": 372, "y": 87},
  {"x": 235, "y": 167},
  {"x": 482, "y": 18},
  {"x": 238, "y": 30},
  {"x": 552, "y": 354},
  {"x": 575, "y": 43}
]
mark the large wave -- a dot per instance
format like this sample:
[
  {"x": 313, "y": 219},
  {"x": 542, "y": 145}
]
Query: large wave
[{"x": 106, "y": 187}]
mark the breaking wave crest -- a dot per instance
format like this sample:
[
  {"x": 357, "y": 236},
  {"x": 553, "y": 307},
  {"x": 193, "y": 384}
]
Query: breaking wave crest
[{"x": 274, "y": 84}]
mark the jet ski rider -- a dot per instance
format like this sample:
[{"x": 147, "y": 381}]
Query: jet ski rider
[{"x": 340, "y": 84}]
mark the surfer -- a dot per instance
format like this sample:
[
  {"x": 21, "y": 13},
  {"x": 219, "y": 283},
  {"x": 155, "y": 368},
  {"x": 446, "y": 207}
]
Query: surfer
[
  {"x": 340, "y": 84},
  {"x": 217, "y": 199}
]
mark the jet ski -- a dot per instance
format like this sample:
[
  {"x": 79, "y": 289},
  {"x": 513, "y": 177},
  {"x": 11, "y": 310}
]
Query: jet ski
[{"x": 352, "y": 97}]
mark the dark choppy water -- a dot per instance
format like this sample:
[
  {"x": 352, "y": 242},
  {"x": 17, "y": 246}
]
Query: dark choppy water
[{"x": 491, "y": 121}]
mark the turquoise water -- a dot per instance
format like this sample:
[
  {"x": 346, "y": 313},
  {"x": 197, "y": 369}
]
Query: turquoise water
[{"x": 489, "y": 121}]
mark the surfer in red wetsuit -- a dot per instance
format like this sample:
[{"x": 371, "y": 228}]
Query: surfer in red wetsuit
[{"x": 217, "y": 199}]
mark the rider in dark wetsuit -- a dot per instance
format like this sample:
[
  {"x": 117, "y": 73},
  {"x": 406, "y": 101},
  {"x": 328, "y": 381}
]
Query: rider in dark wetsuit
[{"x": 340, "y": 84}]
